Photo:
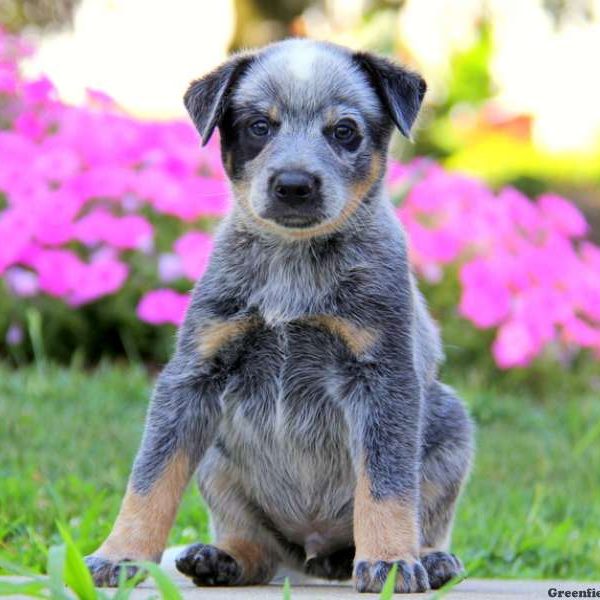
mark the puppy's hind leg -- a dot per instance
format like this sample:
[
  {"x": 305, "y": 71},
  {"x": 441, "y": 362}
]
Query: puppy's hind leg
[
  {"x": 244, "y": 552},
  {"x": 447, "y": 457}
]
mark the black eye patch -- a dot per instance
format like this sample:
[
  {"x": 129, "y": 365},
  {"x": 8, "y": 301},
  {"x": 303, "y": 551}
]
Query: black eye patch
[{"x": 244, "y": 133}]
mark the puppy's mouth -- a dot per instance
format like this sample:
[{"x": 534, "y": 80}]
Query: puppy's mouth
[
  {"x": 293, "y": 219},
  {"x": 296, "y": 222}
]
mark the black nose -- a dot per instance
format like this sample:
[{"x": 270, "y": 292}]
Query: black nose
[{"x": 294, "y": 186}]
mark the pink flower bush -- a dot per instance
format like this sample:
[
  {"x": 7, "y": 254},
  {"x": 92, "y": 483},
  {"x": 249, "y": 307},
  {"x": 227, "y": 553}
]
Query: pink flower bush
[
  {"x": 83, "y": 186},
  {"x": 524, "y": 266},
  {"x": 95, "y": 203}
]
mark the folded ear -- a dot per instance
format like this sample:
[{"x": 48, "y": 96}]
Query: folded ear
[
  {"x": 401, "y": 91},
  {"x": 207, "y": 98}
]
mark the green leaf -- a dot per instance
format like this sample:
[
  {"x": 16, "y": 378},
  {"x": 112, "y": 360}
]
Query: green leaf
[
  {"x": 56, "y": 572},
  {"x": 447, "y": 587},
  {"x": 126, "y": 585},
  {"x": 76, "y": 573},
  {"x": 16, "y": 569},
  {"x": 168, "y": 590},
  {"x": 287, "y": 589},
  {"x": 33, "y": 589},
  {"x": 390, "y": 582}
]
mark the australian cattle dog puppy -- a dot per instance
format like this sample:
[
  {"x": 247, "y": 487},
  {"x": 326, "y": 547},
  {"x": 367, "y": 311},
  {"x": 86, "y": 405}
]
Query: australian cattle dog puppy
[{"x": 303, "y": 392}]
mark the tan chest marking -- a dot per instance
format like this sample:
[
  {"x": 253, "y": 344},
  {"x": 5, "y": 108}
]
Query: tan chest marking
[
  {"x": 216, "y": 334},
  {"x": 383, "y": 529},
  {"x": 144, "y": 521},
  {"x": 358, "y": 340}
]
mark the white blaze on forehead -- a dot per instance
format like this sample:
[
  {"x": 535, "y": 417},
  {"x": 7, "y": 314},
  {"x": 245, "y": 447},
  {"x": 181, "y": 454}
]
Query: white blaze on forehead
[{"x": 301, "y": 59}]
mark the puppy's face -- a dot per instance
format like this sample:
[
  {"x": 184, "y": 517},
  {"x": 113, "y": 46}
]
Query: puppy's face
[{"x": 304, "y": 130}]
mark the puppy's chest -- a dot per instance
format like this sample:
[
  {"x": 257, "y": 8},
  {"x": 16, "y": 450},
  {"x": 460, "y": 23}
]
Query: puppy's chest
[{"x": 281, "y": 383}]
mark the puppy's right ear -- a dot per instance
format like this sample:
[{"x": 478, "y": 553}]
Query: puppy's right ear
[{"x": 207, "y": 98}]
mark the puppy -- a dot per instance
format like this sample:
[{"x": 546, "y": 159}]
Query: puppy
[{"x": 303, "y": 390}]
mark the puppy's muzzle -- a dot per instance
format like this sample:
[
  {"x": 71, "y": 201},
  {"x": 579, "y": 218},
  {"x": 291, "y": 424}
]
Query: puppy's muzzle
[{"x": 294, "y": 199}]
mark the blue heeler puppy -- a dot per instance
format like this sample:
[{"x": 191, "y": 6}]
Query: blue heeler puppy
[{"x": 303, "y": 391}]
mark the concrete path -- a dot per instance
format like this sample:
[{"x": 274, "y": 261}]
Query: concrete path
[
  {"x": 304, "y": 588},
  {"x": 312, "y": 589}
]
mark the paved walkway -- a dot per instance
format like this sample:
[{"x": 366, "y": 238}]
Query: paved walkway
[
  {"x": 304, "y": 588},
  {"x": 313, "y": 589},
  {"x": 473, "y": 589}
]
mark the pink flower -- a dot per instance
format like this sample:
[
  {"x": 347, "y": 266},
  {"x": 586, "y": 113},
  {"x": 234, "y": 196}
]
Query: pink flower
[
  {"x": 169, "y": 267},
  {"x": 54, "y": 211},
  {"x": 38, "y": 91},
  {"x": 163, "y": 306},
  {"x": 100, "y": 99},
  {"x": 578, "y": 332},
  {"x": 14, "y": 335},
  {"x": 485, "y": 299},
  {"x": 520, "y": 210},
  {"x": 194, "y": 249},
  {"x": 57, "y": 270},
  {"x": 101, "y": 277},
  {"x": 102, "y": 181},
  {"x": 54, "y": 163},
  {"x": 16, "y": 230},
  {"x": 22, "y": 282},
  {"x": 30, "y": 124},
  {"x": 563, "y": 215},
  {"x": 126, "y": 233},
  {"x": 9, "y": 79},
  {"x": 514, "y": 345}
]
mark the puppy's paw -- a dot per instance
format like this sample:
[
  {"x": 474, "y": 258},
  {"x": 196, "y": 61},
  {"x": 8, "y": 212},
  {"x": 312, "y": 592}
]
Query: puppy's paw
[
  {"x": 336, "y": 566},
  {"x": 370, "y": 576},
  {"x": 105, "y": 572},
  {"x": 208, "y": 565},
  {"x": 441, "y": 567}
]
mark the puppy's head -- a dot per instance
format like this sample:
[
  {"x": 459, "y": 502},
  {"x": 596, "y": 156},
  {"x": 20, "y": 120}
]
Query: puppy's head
[{"x": 304, "y": 129}]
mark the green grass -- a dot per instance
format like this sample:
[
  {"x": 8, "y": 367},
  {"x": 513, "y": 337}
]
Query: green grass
[{"x": 68, "y": 438}]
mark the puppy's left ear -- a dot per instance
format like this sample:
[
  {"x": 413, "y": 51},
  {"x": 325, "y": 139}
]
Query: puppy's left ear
[
  {"x": 207, "y": 98},
  {"x": 401, "y": 91}
]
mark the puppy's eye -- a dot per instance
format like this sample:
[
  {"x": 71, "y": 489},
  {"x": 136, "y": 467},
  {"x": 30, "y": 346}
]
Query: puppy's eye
[
  {"x": 345, "y": 132},
  {"x": 260, "y": 128}
]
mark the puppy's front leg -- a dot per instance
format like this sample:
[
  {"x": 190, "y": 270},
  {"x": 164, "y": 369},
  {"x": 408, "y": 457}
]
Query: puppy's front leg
[
  {"x": 386, "y": 424},
  {"x": 179, "y": 427}
]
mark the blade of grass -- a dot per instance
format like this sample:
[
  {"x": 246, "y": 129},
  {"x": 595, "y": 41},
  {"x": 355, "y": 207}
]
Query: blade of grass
[
  {"x": 126, "y": 584},
  {"x": 587, "y": 440},
  {"x": 168, "y": 590},
  {"x": 76, "y": 573},
  {"x": 34, "y": 328},
  {"x": 287, "y": 589},
  {"x": 17, "y": 569},
  {"x": 390, "y": 583},
  {"x": 447, "y": 587},
  {"x": 33, "y": 589},
  {"x": 56, "y": 572}
]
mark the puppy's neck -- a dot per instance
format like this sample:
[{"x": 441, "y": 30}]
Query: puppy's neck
[{"x": 285, "y": 280}]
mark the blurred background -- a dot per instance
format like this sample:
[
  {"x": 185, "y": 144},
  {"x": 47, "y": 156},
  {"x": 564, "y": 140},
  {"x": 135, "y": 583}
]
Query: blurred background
[{"x": 108, "y": 204}]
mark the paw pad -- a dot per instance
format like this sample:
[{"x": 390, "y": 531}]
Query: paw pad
[
  {"x": 105, "y": 573},
  {"x": 208, "y": 565},
  {"x": 441, "y": 567},
  {"x": 371, "y": 576}
]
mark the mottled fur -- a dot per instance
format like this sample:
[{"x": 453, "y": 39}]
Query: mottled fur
[{"x": 304, "y": 389}]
